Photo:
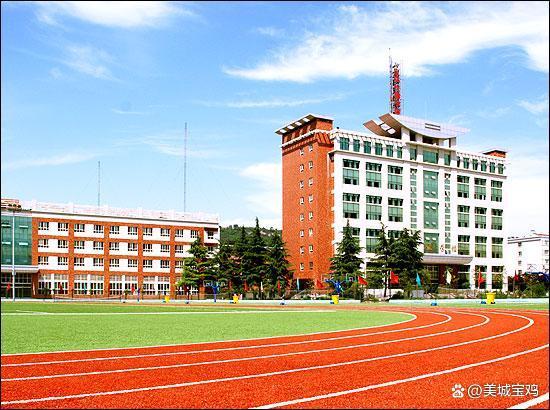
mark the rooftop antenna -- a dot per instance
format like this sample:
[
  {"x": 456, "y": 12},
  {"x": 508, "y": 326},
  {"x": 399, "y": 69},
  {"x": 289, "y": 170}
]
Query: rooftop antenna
[
  {"x": 98, "y": 182},
  {"x": 395, "y": 87},
  {"x": 185, "y": 170}
]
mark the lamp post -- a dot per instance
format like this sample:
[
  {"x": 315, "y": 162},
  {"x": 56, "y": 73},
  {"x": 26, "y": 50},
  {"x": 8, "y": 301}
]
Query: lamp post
[{"x": 13, "y": 254}]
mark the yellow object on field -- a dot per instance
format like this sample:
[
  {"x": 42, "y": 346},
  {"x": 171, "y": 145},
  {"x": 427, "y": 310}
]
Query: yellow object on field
[
  {"x": 166, "y": 299},
  {"x": 491, "y": 298},
  {"x": 335, "y": 299},
  {"x": 235, "y": 299}
]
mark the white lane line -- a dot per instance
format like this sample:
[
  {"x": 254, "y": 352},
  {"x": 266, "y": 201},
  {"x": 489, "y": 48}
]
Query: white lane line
[
  {"x": 448, "y": 318},
  {"x": 167, "y": 313},
  {"x": 257, "y": 375},
  {"x": 242, "y": 359},
  {"x": 394, "y": 382},
  {"x": 532, "y": 402},
  {"x": 413, "y": 317}
]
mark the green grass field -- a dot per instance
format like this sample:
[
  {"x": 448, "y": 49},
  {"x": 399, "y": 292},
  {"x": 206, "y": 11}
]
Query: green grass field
[{"x": 42, "y": 327}]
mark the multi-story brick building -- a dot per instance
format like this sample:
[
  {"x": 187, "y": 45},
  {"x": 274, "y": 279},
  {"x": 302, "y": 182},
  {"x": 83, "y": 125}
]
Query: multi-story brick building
[
  {"x": 403, "y": 172},
  {"x": 89, "y": 250}
]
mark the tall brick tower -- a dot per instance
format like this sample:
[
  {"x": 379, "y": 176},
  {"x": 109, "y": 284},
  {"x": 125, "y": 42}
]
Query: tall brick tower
[{"x": 307, "y": 199}]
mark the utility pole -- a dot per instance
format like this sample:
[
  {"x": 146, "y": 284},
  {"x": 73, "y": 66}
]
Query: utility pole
[
  {"x": 98, "y": 183},
  {"x": 185, "y": 170},
  {"x": 13, "y": 253}
]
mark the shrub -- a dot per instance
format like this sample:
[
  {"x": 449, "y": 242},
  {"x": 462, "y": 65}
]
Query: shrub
[
  {"x": 535, "y": 290},
  {"x": 398, "y": 295}
]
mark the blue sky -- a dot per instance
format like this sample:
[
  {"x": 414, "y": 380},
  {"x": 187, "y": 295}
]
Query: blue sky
[{"x": 87, "y": 82}]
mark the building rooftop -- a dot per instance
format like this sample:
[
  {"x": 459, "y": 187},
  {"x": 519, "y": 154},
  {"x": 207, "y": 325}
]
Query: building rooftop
[{"x": 300, "y": 121}]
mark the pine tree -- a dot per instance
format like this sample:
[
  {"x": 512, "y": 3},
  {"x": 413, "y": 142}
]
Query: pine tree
[
  {"x": 278, "y": 266},
  {"x": 406, "y": 259},
  {"x": 254, "y": 258},
  {"x": 346, "y": 263},
  {"x": 382, "y": 259},
  {"x": 239, "y": 250},
  {"x": 197, "y": 267}
]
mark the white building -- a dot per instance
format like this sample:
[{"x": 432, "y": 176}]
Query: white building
[{"x": 527, "y": 254}]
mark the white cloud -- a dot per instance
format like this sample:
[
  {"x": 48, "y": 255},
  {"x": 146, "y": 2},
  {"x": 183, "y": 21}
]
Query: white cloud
[
  {"x": 421, "y": 35},
  {"x": 61, "y": 159},
  {"x": 272, "y": 103},
  {"x": 127, "y": 112},
  {"x": 266, "y": 199},
  {"x": 123, "y": 14},
  {"x": 270, "y": 31},
  {"x": 535, "y": 107},
  {"x": 494, "y": 113},
  {"x": 90, "y": 61}
]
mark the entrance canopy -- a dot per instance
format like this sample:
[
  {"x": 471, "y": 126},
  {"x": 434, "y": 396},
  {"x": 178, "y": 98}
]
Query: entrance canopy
[{"x": 443, "y": 259}]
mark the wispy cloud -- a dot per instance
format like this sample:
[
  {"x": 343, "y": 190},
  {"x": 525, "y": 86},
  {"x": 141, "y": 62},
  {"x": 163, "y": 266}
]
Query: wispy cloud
[
  {"x": 90, "y": 61},
  {"x": 494, "y": 113},
  {"x": 121, "y": 14},
  {"x": 536, "y": 107},
  {"x": 127, "y": 112},
  {"x": 272, "y": 103},
  {"x": 266, "y": 198},
  {"x": 270, "y": 31},
  {"x": 353, "y": 41},
  {"x": 55, "y": 160}
]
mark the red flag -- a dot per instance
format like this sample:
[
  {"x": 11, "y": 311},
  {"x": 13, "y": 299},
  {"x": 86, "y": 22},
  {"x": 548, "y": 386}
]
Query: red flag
[
  {"x": 133, "y": 288},
  {"x": 319, "y": 284},
  {"x": 8, "y": 287},
  {"x": 394, "y": 279},
  {"x": 362, "y": 280},
  {"x": 516, "y": 277},
  {"x": 480, "y": 279},
  {"x": 60, "y": 287},
  {"x": 278, "y": 285},
  {"x": 245, "y": 287}
]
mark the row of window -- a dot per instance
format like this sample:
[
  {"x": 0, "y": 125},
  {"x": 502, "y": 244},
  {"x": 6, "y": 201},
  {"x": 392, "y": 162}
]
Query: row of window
[
  {"x": 115, "y": 230},
  {"x": 310, "y": 216},
  {"x": 309, "y": 147},
  {"x": 113, "y": 246},
  {"x": 302, "y": 249},
  {"x": 113, "y": 262},
  {"x": 429, "y": 156},
  {"x": 310, "y": 266},
  {"x": 480, "y": 246},
  {"x": 310, "y": 165},
  {"x": 310, "y": 183}
]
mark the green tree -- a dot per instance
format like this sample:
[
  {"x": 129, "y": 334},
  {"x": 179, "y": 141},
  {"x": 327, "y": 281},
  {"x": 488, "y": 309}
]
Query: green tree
[
  {"x": 254, "y": 258},
  {"x": 197, "y": 267},
  {"x": 278, "y": 267},
  {"x": 346, "y": 262},
  {"x": 382, "y": 258},
  {"x": 405, "y": 259}
]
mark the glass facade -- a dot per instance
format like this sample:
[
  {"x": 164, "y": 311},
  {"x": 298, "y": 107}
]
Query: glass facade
[{"x": 23, "y": 239}]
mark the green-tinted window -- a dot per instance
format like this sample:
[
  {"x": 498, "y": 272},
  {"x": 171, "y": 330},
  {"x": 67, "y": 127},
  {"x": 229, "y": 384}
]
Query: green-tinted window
[
  {"x": 475, "y": 164},
  {"x": 430, "y": 184},
  {"x": 367, "y": 147},
  {"x": 492, "y": 167},
  {"x": 372, "y": 240},
  {"x": 344, "y": 143},
  {"x": 480, "y": 192},
  {"x": 395, "y": 209},
  {"x": 356, "y": 145},
  {"x": 378, "y": 148},
  {"x": 431, "y": 242},
  {"x": 355, "y": 231},
  {"x": 500, "y": 169},
  {"x": 389, "y": 150},
  {"x": 23, "y": 240},
  {"x": 430, "y": 156},
  {"x": 463, "y": 216},
  {"x": 496, "y": 247},
  {"x": 496, "y": 191},
  {"x": 463, "y": 190},
  {"x": 351, "y": 205},
  {"x": 413, "y": 153},
  {"x": 374, "y": 207},
  {"x": 374, "y": 174},
  {"x": 481, "y": 247},
  {"x": 351, "y": 176},
  {"x": 463, "y": 244},
  {"x": 447, "y": 158},
  {"x": 395, "y": 177},
  {"x": 496, "y": 219},
  {"x": 431, "y": 213},
  {"x": 458, "y": 162},
  {"x": 350, "y": 163},
  {"x": 399, "y": 152},
  {"x": 484, "y": 166},
  {"x": 480, "y": 217},
  {"x": 465, "y": 163}
]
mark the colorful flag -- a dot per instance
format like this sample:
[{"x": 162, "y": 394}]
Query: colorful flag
[
  {"x": 60, "y": 287},
  {"x": 480, "y": 279},
  {"x": 449, "y": 277},
  {"x": 262, "y": 287},
  {"x": 133, "y": 288},
  {"x": 516, "y": 277},
  {"x": 394, "y": 279},
  {"x": 8, "y": 288},
  {"x": 418, "y": 280},
  {"x": 298, "y": 283},
  {"x": 319, "y": 284},
  {"x": 362, "y": 280},
  {"x": 245, "y": 287}
]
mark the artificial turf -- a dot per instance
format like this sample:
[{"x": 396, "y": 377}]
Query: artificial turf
[{"x": 80, "y": 328}]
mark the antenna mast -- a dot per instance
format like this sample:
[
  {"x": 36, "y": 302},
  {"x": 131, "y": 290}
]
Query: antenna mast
[
  {"x": 185, "y": 170},
  {"x": 98, "y": 182},
  {"x": 395, "y": 88}
]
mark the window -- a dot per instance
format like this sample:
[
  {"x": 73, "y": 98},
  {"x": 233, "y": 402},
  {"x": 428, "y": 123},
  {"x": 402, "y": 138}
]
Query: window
[
  {"x": 496, "y": 191},
  {"x": 431, "y": 184},
  {"x": 431, "y": 215},
  {"x": 301, "y": 266},
  {"x": 484, "y": 166},
  {"x": 302, "y": 250},
  {"x": 301, "y": 167},
  {"x": 310, "y": 146},
  {"x": 114, "y": 246},
  {"x": 114, "y": 230},
  {"x": 79, "y": 227},
  {"x": 179, "y": 249},
  {"x": 165, "y": 248},
  {"x": 355, "y": 231},
  {"x": 430, "y": 156},
  {"x": 374, "y": 174},
  {"x": 179, "y": 264},
  {"x": 43, "y": 260},
  {"x": 399, "y": 152},
  {"x": 98, "y": 228},
  {"x": 492, "y": 167},
  {"x": 356, "y": 145},
  {"x": 447, "y": 158},
  {"x": 62, "y": 260},
  {"x": 466, "y": 163},
  {"x": 79, "y": 244},
  {"x": 372, "y": 240},
  {"x": 431, "y": 242},
  {"x": 210, "y": 234},
  {"x": 378, "y": 148},
  {"x": 310, "y": 198},
  {"x": 395, "y": 177},
  {"x": 301, "y": 233},
  {"x": 413, "y": 153},
  {"x": 148, "y": 263},
  {"x": 43, "y": 243},
  {"x": 301, "y": 200},
  {"x": 114, "y": 263},
  {"x": 43, "y": 226},
  {"x": 463, "y": 190},
  {"x": 62, "y": 244},
  {"x": 98, "y": 262},
  {"x": 310, "y": 164},
  {"x": 351, "y": 172},
  {"x": 458, "y": 162},
  {"x": 179, "y": 233},
  {"x": 310, "y": 215},
  {"x": 395, "y": 209},
  {"x": 496, "y": 247},
  {"x": 463, "y": 216},
  {"x": 301, "y": 184},
  {"x": 310, "y": 248},
  {"x": 132, "y": 263},
  {"x": 62, "y": 226},
  {"x": 475, "y": 164},
  {"x": 165, "y": 264},
  {"x": 344, "y": 144},
  {"x": 480, "y": 192},
  {"x": 464, "y": 244},
  {"x": 132, "y": 230},
  {"x": 481, "y": 247},
  {"x": 147, "y": 247},
  {"x": 310, "y": 182},
  {"x": 147, "y": 231},
  {"x": 301, "y": 152},
  {"x": 500, "y": 169},
  {"x": 194, "y": 234},
  {"x": 78, "y": 261},
  {"x": 132, "y": 247},
  {"x": 301, "y": 217},
  {"x": 480, "y": 218},
  {"x": 310, "y": 265},
  {"x": 367, "y": 147},
  {"x": 496, "y": 219},
  {"x": 98, "y": 246},
  {"x": 164, "y": 232},
  {"x": 351, "y": 205},
  {"x": 374, "y": 208},
  {"x": 389, "y": 150},
  {"x": 310, "y": 231}
]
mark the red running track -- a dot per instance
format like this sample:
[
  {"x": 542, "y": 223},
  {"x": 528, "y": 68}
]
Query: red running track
[{"x": 413, "y": 364}]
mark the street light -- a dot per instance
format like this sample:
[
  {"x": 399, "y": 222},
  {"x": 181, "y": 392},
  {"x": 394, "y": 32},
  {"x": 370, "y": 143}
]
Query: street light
[{"x": 13, "y": 253}]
